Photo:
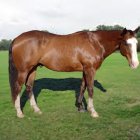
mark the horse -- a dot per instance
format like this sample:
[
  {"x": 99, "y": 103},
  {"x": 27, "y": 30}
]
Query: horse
[{"x": 82, "y": 51}]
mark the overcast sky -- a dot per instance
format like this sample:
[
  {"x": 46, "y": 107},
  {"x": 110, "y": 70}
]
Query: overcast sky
[{"x": 65, "y": 16}]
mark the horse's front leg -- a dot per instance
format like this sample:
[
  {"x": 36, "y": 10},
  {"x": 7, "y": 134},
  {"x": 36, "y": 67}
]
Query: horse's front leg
[{"x": 89, "y": 75}]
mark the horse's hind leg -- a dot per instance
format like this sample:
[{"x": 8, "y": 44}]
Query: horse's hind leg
[
  {"x": 80, "y": 97},
  {"x": 29, "y": 89},
  {"x": 20, "y": 81}
]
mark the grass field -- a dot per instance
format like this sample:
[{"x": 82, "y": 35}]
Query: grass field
[{"x": 119, "y": 107}]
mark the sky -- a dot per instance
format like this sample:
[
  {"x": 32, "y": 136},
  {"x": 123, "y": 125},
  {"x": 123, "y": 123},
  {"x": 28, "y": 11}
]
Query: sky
[{"x": 65, "y": 16}]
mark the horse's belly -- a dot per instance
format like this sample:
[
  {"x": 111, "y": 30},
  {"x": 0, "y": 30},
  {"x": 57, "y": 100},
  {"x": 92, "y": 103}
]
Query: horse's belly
[{"x": 63, "y": 65}]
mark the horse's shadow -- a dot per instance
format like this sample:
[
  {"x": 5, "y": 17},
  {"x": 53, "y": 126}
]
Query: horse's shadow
[{"x": 58, "y": 85}]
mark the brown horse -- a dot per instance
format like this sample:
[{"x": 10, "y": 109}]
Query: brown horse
[{"x": 81, "y": 51}]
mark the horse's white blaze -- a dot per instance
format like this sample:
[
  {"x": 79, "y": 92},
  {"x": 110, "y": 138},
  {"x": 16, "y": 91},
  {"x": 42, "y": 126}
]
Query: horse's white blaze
[
  {"x": 17, "y": 106},
  {"x": 33, "y": 103},
  {"x": 133, "y": 44}
]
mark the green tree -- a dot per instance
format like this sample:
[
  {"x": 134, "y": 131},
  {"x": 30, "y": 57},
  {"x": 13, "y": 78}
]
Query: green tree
[
  {"x": 138, "y": 34},
  {"x": 138, "y": 45},
  {"x": 4, "y": 44},
  {"x": 108, "y": 27}
]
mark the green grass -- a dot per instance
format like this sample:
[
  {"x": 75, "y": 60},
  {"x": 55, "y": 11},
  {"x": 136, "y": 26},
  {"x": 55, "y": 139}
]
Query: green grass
[{"x": 119, "y": 107}]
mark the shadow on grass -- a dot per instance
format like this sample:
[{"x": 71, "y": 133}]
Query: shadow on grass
[{"x": 58, "y": 85}]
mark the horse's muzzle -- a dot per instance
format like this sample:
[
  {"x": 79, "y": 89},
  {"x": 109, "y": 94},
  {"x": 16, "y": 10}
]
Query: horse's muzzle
[{"x": 134, "y": 65}]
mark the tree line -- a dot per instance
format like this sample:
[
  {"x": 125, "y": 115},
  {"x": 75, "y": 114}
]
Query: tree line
[{"x": 4, "y": 43}]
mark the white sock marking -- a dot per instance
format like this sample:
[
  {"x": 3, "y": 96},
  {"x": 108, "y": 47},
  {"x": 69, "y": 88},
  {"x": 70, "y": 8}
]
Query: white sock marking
[
  {"x": 90, "y": 105},
  {"x": 33, "y": 103},
  {"x": 17, "y": 106}
]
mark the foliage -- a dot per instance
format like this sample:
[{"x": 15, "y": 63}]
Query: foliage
[
  {"x": 119, "y": 107},
  {"x": 138, "y": 44},
  {"x": 138, "y": 34},
  {"x": 108, "y": 27},
  {"x": 4, "y": 44}
]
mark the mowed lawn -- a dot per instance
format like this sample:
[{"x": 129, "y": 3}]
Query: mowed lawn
[{"x": 118, "y": 107}]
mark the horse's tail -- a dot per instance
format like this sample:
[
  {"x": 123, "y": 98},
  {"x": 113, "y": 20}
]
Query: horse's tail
[{"x": 13, "y": 74}]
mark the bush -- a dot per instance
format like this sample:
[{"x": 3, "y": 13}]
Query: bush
[
  {"x": 108, "y": 27},
  {"x": 138, "y": 34},
  {"x": 138, "y": 44},
  {"x": 4, "y": 44}
]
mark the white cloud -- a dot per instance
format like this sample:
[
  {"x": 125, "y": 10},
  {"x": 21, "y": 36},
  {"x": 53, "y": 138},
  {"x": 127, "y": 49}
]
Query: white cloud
[{"x": 63, "y": 16}]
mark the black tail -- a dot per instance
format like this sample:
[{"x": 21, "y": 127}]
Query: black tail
[{"x": 13, "y": 74}]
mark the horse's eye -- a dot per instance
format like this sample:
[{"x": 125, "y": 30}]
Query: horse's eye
[
  {"x": 125, "y": 43},
  {"x": 128, "y": 44}
]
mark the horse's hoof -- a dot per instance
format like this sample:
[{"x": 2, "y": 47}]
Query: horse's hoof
[
  {"x": 20, "y": 115},
  {"x": 38, "y": 112},
  {"x": 82, "y": 110},
  {"x": 94, "y": 114}
]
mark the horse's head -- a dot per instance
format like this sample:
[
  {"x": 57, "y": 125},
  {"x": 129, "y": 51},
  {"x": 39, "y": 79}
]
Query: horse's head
[{"x": 128, "y": 47}]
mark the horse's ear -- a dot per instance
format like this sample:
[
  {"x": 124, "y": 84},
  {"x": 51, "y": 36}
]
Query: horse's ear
[
  {"x": 124, "y": 31},
  {"x": 136, "y": 30}
]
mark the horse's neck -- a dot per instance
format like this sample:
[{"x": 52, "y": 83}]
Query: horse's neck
[
  {"x": 110, "y": 42},
  {"x": 110, "y": 48}
]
